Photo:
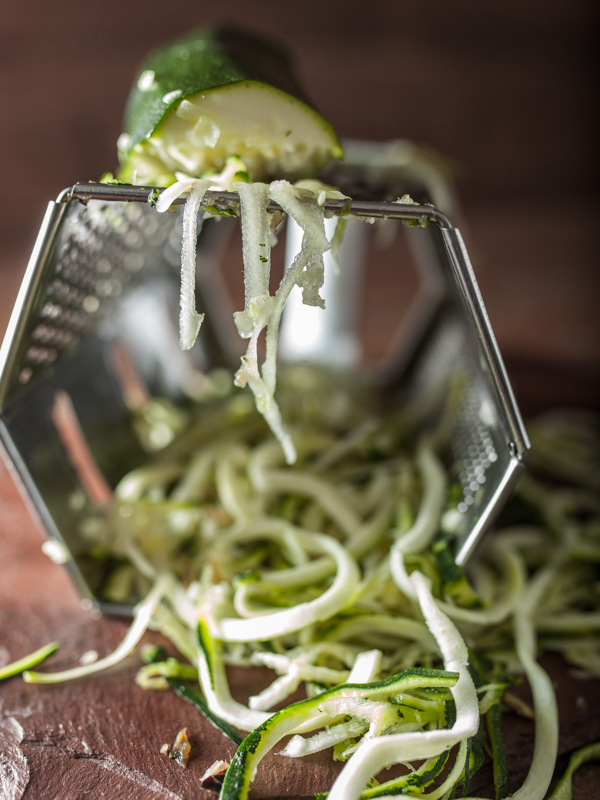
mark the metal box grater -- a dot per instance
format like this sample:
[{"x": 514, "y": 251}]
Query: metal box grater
[{"x": 105, "y": 262}]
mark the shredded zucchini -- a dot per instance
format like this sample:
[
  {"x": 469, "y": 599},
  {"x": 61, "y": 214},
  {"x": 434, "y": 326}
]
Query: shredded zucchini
[
  {"x": 333, "y": 574},
  {"x": 31, "y": 660},
  {"x": 383, "y": 704}
]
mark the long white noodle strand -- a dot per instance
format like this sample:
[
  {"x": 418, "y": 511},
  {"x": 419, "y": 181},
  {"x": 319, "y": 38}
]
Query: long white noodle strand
[
  {"x": 544, "y": 697},
  {"x": 290, "y": 620},
  {"x": 377, "y": 754},
  {"x": 189, "y": 319},
  {"x": 426, "y": 524}
]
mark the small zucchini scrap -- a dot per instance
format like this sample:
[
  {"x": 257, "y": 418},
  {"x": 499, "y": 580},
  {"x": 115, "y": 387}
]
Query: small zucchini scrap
[
  {"x": 213, "y": 777},
  {"x": 180, "y": 751}
]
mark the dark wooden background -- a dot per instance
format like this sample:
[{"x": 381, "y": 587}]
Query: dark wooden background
[{"x": 506, "y": 90}]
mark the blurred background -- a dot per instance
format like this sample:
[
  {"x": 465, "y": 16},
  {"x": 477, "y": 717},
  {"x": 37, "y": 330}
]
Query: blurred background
[{"x": 504, "y": 90}]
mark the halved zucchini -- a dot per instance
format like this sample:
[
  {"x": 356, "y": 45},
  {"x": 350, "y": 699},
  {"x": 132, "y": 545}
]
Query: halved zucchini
[{"x": 214, "y": 94}]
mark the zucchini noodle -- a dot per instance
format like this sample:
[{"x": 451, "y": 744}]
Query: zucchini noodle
[
  {"x": 278, "y": 623},
  {"x": 142, "y": 616},
  {"x": 261, "y": 309}
]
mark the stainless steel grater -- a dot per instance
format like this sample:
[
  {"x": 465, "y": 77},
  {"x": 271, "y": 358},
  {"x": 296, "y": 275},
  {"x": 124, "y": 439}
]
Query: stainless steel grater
[{"x": 105, "y": 262}]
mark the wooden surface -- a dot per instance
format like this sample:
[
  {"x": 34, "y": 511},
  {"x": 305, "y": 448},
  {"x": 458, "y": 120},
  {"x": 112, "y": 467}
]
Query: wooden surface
[{"x": 505, "y": 90}]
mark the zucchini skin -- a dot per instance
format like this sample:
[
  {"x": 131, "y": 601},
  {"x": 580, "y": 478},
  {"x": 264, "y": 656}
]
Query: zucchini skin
[
  {"x": 194, "y": 696},
  {"x": 245, "y": 761},
  {"x": 204, "y": 60}
]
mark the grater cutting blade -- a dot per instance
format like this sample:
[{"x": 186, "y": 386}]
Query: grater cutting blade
[{"x": 105, "y": 263}]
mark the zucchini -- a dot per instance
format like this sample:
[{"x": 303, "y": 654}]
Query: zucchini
[
  {"x": 172, "y": 671},
  {"x": 31, "y": 660},
  {"x": 314, "y": 713},
  {"x": 217, "y": 93},
  {"x": 415, "y": 782}
]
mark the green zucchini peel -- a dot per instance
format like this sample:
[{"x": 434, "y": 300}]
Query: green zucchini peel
[{"x": 313, "y": 712}]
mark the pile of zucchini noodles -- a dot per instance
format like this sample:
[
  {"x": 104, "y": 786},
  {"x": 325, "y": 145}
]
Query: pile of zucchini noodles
[
  {"x": 335, "y": 569},
  {"x": 336, "y": 573}
]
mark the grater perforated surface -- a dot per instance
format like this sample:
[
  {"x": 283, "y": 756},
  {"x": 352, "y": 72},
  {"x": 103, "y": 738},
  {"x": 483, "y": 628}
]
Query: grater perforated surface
[{"x": 100, "y": 250}]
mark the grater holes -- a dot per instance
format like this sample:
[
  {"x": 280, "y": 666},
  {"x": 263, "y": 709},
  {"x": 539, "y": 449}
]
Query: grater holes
[
  {"x": 439, "y": 357},
  {"x": 133, "y": 261},
  {"x": 156, "y": 238},
  {"x": 51, "y": 310},
  {"x": 472, "y": 447},
  {"x": 65, "y": 317},
  {"x": 59, "y": 337},
  {"x": 471, "y": 451},
  {"x": 41, "y": 356},
  {"x": 133, "y": 239},
  {"x": 133, "y": 212},
  {"x": 115, "y": 220},
  {"x": 104, "y": 266},
  {"x": 71, "y": 271},
  {"x": 61, "y": 290},
  {"x": 91, "y": 304},
  {"x": 108, "y": 287},
  {"x": 85, "y": 241},
  {"x": 101, "y": 250}
]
